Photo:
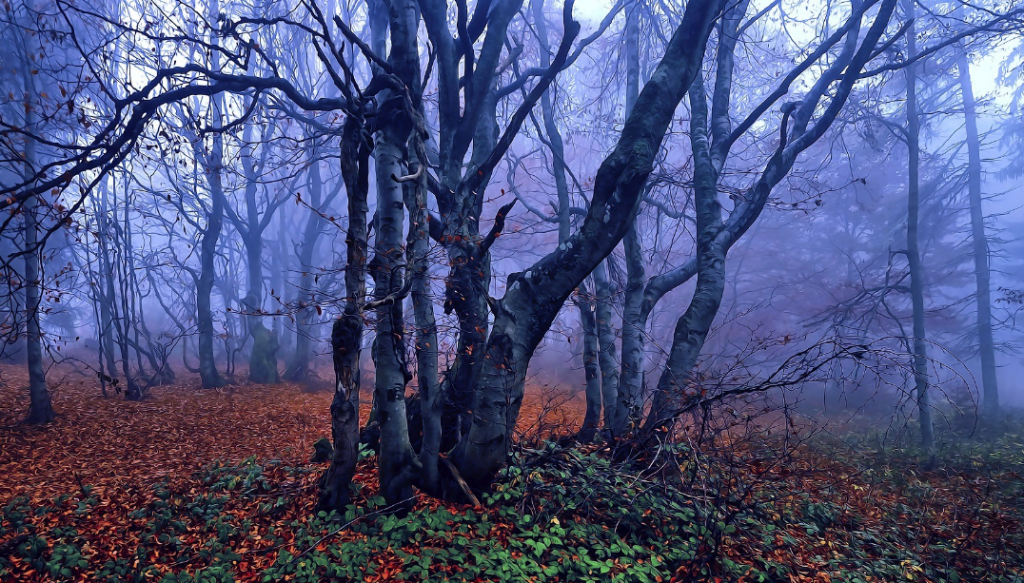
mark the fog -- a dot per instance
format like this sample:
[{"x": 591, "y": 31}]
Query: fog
[{"x": 655, "y": 208}]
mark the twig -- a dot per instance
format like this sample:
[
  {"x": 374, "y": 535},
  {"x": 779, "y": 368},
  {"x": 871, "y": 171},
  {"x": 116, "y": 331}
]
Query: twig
[{"x": 462, "y": 483}]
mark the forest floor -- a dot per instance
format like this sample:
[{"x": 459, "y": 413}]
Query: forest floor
[{"x": 193, "y": 485}]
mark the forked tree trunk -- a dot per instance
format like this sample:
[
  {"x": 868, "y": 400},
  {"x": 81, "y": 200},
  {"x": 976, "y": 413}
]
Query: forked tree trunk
[
  {"x": 535, "y": 296},
  {"x": 207, "y": 255},
  {"x": 693, "y": 327},
  {"x": 714, "y": 238},
  {"x": 298, "y": 366},
  {"x": 425, "y": 338},
  {"x": 263, "y": 357},
  {"x": 213, "y": 170}
]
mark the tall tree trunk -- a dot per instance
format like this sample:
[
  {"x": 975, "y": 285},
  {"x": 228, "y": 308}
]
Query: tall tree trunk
[
  {"x": 535, "y": 297},
  {"x": 124, "y": 316},
  {"x": 431, "y": 399},
  {"x": 103, "y": 291},
  {"x": 627, "y": 409},
  {"x": 920, "y": 346},
  {"x": 466, "y": 116},
  {"x": 398, "y": 464},
  {"x": 298, "y": 367},
  {"x": 396, "y": 455},
  {"x": 693, "y": 327},
  {"x": 606, "y": 343},
  {"x": 40, "y": 410},
  {"x": 207, "y": 255},
  {"x": 982, "y": 275},
  {"x": 263, "y": 358},
  {"x": 213, "y": 168},
  {"x": 347, "y": 332},
  {"x": 591, "y": 367},
  {"x": 404, "y": 16}
]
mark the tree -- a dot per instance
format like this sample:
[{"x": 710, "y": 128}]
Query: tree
[{"x": 979, "y": 240}]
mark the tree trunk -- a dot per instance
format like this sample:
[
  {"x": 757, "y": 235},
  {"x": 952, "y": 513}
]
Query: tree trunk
[
  {"x": 396, "y": 456},
  {"x": 920, "y": 346},
  {"x": 535, "y": 297},
  {"x": 263, "y": 358},
  {"x": 298, "y": 367},
  {"x": 431, "y": 399},
  {"x": 606, "y": 344},
  {"x": 347, "y": 333},
  {"x": 103, "y": 293},
  {"x": 627, "y": 409},
  {"x": 693, "y": 327},
  {"x": 398, "y": 464},
  {"x": 207, "y": 255},
  {"x": 982, "y": 275},
  {"x": 591, "y": 366},
  {"x": 40, "y": 410}
]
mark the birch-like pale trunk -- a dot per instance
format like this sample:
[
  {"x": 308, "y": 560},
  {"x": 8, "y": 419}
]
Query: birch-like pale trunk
[
  {"x": 397, "y": 462},
  {"x": 606, "y": 343},
  {"x": 404, "y": 19},
  {"x": 425, "y": 337},
  {"x": 692, "y": 328}
]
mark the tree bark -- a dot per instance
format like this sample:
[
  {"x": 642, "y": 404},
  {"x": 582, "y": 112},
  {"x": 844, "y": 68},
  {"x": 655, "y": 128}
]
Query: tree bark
[
  {"x": 606, "y": 343},
  {"x": 207, "y": 255},
  {"x": 40, "y": 409},
  {"x": 693, "y": 327},
  {"x": 431, "y": 399},
  {"x": 920, "y": 346},
  {"x": 535, "y": 297},
  {"x": 213, "y": 168},
  {"x": 347, "y": 332},
  {"x": 714, "y": 238},
  {"x": 398, "y": 464},
  {"x": 298, "y": 367},
  {"x": 591, "y": 366},
  {"x": 627, "y": 409},
  {"x": 263, "y": 358},
  {"x": 979, "y": 241}
]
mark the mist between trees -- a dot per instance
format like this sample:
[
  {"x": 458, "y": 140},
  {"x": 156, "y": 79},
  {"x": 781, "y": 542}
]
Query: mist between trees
[{"x": 667, "y": 208}]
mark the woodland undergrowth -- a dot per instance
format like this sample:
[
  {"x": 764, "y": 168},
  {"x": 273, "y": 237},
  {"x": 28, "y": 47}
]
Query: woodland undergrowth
[{"x": 825, "y": 508}]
